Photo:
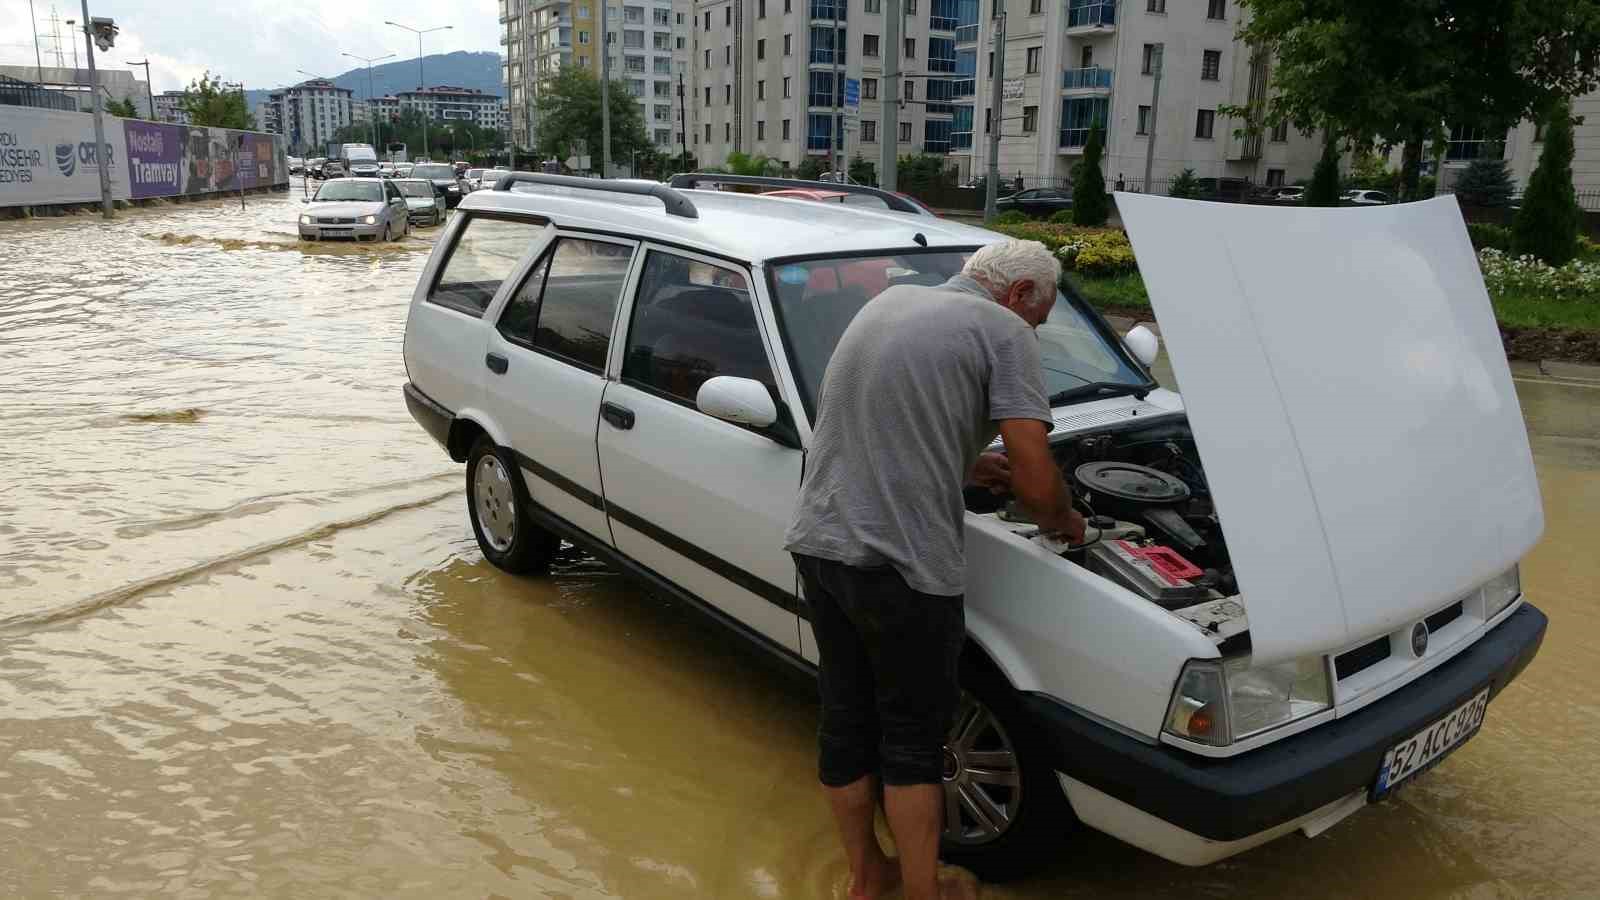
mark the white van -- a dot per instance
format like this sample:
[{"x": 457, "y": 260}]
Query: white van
[
  {"x": 1306, "y": 589},
  {"x": 359, "y": 160}
]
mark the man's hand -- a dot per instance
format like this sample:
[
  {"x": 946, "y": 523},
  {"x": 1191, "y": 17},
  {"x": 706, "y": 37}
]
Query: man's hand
[
  {"x": 1037, "y": 481},
  {"x": 992, "y": 471},
  {"x": 1075, "y": 528}
]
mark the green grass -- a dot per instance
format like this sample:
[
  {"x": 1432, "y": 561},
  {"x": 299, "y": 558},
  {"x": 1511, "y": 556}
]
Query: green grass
[{"x": 1118, "y": 291}]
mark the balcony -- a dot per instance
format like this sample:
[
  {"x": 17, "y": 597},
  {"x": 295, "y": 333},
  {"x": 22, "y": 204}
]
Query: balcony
[
  {"x": 964, "y": 89},
  {"x": 823, "y": 10},
  {"x": 942, "y": 23},
  {"x": 1090, "y": 15},
  {"x": 960, "y": 142},
  {"x": 1073, "y": 140},
  {"x": 967, "y": 34},
  {"x": 1093, "y": 79},
  {"x": 825, "y": 56}
]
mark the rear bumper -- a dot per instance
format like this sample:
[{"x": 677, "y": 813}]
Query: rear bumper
[
  {"x": 1270, "y": 789},
  {"x": 433, "y": 418}
]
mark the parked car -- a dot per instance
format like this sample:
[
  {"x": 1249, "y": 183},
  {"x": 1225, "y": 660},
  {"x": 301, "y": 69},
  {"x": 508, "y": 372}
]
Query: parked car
[
  {"x": 314, "y": 166},
  {"x": 356, "y": 208},
  {"x": 359, "y": 160},
  {"x": 297, "y": 165},
  {"x": 1222, "y": 188},
  {"x": 1291, "y": 194},
  {"x": 423, "y": 203},
  {"x": 1037, "y": 202},
  {"x": 472, "y": 180},
  {"x": 444, "y": 179},
  {"x": 1364, "y": 198},
  {"x": 402, "y": 170},
  {"x": 386, "y": 170},
  {"x": 1195, "y": 686},
  {"x": 333, "y": 169}
]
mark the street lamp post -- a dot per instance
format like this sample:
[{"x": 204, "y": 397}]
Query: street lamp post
[
  {"x": 149, "y": 92},
  {"x": 372, "y": 114},
  {"x": 421, "y": 79}
]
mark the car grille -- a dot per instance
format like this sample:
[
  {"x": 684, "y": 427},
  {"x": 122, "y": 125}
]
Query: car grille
[
  {"x": 334, "y": 220},
  {"x": 1361, "y": 658}
]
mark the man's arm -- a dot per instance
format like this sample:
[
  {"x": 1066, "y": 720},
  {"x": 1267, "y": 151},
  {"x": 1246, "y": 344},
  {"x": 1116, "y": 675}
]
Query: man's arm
[{"x": 1035, "y": 479}]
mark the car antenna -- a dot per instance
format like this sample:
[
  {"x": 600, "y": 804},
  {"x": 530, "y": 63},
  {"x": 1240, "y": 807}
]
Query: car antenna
[{"x": 921, "y": 241}]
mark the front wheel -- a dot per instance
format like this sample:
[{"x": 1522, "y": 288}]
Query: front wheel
[
  {"x": 1005, "y": 813},
  {"x": 502, "y": 512}
]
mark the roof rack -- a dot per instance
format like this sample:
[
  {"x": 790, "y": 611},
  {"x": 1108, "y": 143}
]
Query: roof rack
[
  {"x": 890, "y": 199},
  {"x": 676, "y": 203}
]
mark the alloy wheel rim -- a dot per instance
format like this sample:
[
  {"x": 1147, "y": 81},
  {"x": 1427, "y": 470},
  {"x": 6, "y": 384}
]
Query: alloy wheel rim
[
  {"x": 982, "y": 777},
  {"x": 494, "y": 503}
]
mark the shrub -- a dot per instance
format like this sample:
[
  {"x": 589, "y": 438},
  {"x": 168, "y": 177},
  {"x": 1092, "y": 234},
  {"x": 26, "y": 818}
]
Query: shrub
[
  {"x": 1486, "y": 235},
  {"x": 1061, "y": 217},
  {"x": 1547, "y": 224},
  {"x": 1525, "y": 274},
  {"x": 1090, "y": 205},
  {"x": 1012, "y": 217},
  {"x": 1486, "y": 183},
  {"x": 810, "y": 169},
  {"x": 863, "y": 171},
  {"x": 1324, "y": 189},
  {"x": 1099, "y": 253},
  {"x": 1185, "y": 186}
]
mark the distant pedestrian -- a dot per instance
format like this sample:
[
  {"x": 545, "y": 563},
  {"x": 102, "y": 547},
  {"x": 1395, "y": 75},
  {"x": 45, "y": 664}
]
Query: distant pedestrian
[
  {"x": 1121, "y": 185},
  {"x": 1018, "y": 183}
]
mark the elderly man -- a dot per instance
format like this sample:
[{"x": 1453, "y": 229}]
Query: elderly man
[{"x": 915, "y": 390}]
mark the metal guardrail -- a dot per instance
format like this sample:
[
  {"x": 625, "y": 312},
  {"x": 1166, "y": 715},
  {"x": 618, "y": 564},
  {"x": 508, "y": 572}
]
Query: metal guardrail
[
  {"x": 894, "y": 201},
  {"x": 15, "y": 92},
  {"x": 1091, "y": 77},
  {"x": 676, "y": 203},
  {"x": 966, "y": 34},
  {"x": 1092, "y": 15}
]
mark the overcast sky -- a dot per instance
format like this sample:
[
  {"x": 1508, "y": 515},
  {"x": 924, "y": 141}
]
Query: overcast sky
[{"x": 259, "y": 42}]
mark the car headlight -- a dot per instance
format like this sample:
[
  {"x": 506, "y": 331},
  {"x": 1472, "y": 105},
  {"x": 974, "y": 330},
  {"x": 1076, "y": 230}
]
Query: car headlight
[
  {"x": 370, "y": 220},
  {"x": 305, "y": 219},
  {"x": 1501, "y": 591},
  {"x": 1218, "y": 702}
]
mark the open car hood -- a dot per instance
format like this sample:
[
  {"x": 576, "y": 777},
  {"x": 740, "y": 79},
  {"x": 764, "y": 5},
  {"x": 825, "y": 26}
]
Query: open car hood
[{"x": 1349, "y": 394}]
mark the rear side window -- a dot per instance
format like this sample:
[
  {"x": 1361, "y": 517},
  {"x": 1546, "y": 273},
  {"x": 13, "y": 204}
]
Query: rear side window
[
  {"x": 693, "y": 320},
  {"x": 485, "y": 253},
  {"x": 569, "y": 300}
]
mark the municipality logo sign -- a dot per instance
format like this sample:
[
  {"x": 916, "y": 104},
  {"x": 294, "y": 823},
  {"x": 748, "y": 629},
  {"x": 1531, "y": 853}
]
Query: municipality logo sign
[{"x": 67, "y": 159}]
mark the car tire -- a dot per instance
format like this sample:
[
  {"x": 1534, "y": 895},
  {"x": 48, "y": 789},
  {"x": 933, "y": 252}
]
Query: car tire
[
  {"x": 502, "y": 512},
  {"x": 991, "y": 720}
]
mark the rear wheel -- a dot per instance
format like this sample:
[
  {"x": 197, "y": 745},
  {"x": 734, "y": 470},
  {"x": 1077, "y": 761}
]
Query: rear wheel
[
  {"x": 502, "y": 512},
  {"x": 1005, "y": 813}
]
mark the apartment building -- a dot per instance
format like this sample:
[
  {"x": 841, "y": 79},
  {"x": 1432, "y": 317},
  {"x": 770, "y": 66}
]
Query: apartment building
[
  {"x": 311, "y": 113},
  {"x": 772, "y": 73},
  {"x": 541, "y": 37},
  {"x": 1070, "y": 64},
  {"x": 650, "y": 54},
  {"x": 169, "y": 108}
]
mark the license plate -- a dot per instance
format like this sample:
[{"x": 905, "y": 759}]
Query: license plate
[
  {"x": 1430, "y": 745},
  {"x": 335, "y": 232}
]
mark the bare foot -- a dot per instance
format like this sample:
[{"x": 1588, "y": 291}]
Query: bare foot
[{"x": 880, "y": 878}]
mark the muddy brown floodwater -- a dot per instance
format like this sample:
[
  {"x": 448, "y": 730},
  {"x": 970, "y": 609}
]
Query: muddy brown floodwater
[{"x": 248, "y": 647}]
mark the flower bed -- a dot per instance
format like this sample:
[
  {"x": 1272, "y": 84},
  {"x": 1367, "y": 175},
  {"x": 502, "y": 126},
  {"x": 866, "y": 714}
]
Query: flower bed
[
  {"x": 1503, "y": 274},
  {"x": 1093, "y": 252}
]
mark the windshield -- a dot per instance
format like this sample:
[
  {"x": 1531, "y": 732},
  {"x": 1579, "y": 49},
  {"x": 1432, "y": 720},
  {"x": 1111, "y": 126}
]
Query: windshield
[
  {"x": 433, "y": 171},
  {"x": 351, "y": 190},
  {"x": 474, "y": 173},
  {"x": 816, "y": 300},
  {"x": 415, "y": 188}
]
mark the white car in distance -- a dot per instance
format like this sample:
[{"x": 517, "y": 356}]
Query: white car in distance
[{"x": 1306, "y": 588}]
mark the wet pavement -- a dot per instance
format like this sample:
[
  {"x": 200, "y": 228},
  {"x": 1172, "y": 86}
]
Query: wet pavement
[{"x": 248, "y": 646}]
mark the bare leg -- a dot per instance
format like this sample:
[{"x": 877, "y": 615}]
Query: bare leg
[
  {"x": 854, "y": 807},
  {"x": 916, "y": 816}
]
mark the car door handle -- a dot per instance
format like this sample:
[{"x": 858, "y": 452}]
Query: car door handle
[
  {"x": 496, "y": 363},
  {"x": 619, "y": 416}
]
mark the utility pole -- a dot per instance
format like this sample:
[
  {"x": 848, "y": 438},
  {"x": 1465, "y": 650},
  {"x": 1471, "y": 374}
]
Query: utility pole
[
  {"x": 605, "y": 90},
  {"x": 149, "y": 93},
  {"x": 74, "y": 42},
  {"x": 1159, "y": 52},
  {"x": 38, "y": 61},
  {"x": 835, "y": 126},
  {"x": 372, "y": 112},
  {"x": 992, "y": 182},
  {"x": 683, "y": 126},
  {"x": 99, "y": 113},
  {"x": 889, "y": 140},
  {"x": 422, "y": 81}
]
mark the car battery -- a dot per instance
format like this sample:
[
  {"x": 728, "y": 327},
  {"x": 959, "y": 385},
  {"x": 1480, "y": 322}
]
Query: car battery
[{"x": 1158, "y": 574}]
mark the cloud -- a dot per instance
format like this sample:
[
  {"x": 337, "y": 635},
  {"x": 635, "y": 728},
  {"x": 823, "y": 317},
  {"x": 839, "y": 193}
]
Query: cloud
[{"x": 259, "y": 42}]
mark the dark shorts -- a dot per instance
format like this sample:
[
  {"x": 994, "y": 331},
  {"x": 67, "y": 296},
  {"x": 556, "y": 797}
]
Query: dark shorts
[{"x": 888, "y": 672}]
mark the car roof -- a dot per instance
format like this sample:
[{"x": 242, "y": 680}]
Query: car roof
[{"x": 751, "y": 227}]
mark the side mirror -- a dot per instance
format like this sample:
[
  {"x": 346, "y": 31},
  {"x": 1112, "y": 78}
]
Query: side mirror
[
  {"x": 305, "y": 199},
  {"x": 743, "y": 401},
  {"x": 1143, "y": 344}
]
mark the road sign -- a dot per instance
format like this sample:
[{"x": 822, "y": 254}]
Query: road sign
[{"x": 852, "y": 97}]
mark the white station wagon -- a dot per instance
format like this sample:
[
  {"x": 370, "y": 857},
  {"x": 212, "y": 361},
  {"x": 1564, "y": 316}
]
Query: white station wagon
[{"x": 1305, "y": 591}]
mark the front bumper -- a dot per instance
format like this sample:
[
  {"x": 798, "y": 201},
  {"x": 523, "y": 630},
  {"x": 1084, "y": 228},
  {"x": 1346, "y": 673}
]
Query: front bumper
[
  {"x": 321, "y": 232},
  {"x": 1238, "y": 799}
]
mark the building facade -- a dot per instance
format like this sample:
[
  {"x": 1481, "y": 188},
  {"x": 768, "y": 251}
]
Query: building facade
[
  {"x": 443, "y": 103},
  {"x": 541, "y": 37},
  {"x": 169, "y": 108},
  {"x": 650, "y": 56},
  {"x": 311, "y": 113},
  {"x": 116, "y": 84}
]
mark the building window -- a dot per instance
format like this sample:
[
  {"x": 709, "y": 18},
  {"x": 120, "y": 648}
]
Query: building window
[
  {"x": 1274, "y": 178},
  {"x": 874, "y": 6},
  {"x": 788, "y": 7},
  {"x": 708, "y": 95},
  {"x": 680, "y": 43},
  {"x": 633, "y": 15},
  {"x": 911, "y": 10},
  {"x": 786, "y": 127},
  {"x": 869, "y": 131},
  {"x": 1204, "y": 121},
  {"x": 991, "y": 63},
  {"x": 1147, "y": 65},
  {"x": 1156, "y": 6},
  {"x": 911, "y": 48},
  {"x": 905, "y": 132},
  {"x": 1030, "y": 119},
  {"x": 679, "y": 15},
  {"x": 1035, "y": 7},
  {"x": 1215, "y": 8},
  {"x": 1280, "y": 133},
  {"x": 727, "y": 54},
  {"x": 1086, "y": 58},
  {"x": 662, "y": 17},
  {"x": 869, "y": 88},
  {"x": 785, "y": 87},
  {"x": 727, "y": 131},
  {"x": 761, "y": 130},
  {"x": 708, "y": 132},
  {"x": 708, "y": 28},
  {"x": 708, "y": 59},
  {"x": 869, "y": 45},
  {"x": 727, "y": 94},
  {"x": 1033, "y": 59},
  {"x": 727, "y": 14},
  {"x": 632, "y": 39},
  {"x": 788, "y": 45},
  {"x": 1143, "y": 125},
  {"x": 761, "y": 90},
  {"x": 583, "y": 37},
  {"x": 761, "y": 9},
  {"x": 1210, "y": 65},
  {"x": 761, "y": 49}
]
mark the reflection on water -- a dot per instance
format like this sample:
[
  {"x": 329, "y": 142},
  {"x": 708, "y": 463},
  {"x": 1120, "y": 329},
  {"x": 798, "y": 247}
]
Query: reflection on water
[{"x": 247, "y": 645}]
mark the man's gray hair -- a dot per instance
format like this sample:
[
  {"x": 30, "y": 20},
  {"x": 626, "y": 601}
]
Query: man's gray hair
[{"x": 998, "y": 265}]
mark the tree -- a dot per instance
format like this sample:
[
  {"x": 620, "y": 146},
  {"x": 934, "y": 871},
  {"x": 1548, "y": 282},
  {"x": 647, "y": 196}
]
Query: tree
[
  {"x": 1371, "y": 171},
  {"x": 1486, "y": 183},
  {"x": 1547, "y": 224},
  {"x": 741, "y": 163},
  {"x": 1396, "y": 72},
  {"x": 1090, "y": 205},
  {"x": 921, "y": 172},
  {"x": 570, "y": 120},
  {"x": 1185, "y": 186},
  {"x": 208, "y": 102},
  {"x": 810, "y": 169},
  {"x": 123, "y": 108},
  {"x": 863, "y": 171},
  {"x": 1324, "y": 189}
]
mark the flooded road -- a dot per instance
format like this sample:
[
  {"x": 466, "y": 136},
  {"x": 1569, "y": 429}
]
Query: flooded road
[{"x": 248, "y": 646}]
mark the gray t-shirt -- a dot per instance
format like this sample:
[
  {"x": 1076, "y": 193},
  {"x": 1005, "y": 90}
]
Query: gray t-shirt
[{"x": 910, "y": 399}]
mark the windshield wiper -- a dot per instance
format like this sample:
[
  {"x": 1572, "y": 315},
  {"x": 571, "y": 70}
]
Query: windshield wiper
[{"x": 1099, "y": 390}]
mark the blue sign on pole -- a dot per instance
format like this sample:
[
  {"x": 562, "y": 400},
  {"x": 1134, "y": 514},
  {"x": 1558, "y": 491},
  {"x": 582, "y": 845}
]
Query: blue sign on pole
[{"x": 852, "y": 94}]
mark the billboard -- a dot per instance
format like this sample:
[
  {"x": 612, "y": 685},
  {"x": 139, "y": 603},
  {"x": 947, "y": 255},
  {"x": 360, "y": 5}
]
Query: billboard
[
  {"x": 49, "y": 156},
  {"x": 169, "y": 160}
]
